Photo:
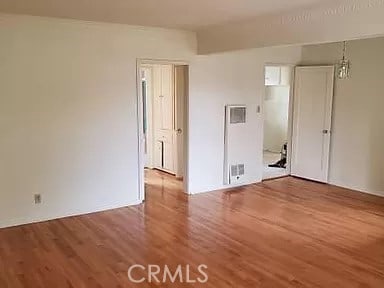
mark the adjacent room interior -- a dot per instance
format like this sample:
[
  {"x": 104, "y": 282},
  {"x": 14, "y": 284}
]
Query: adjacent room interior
[
  {"x": 135, "y": 138},
  {"x": 278, "y": 87}
]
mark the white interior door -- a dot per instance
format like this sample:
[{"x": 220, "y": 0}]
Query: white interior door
[
  {"x": 181, "y": 82},
  {"x": 146, "y": 88},
  {"x": 312, "y": 122}
]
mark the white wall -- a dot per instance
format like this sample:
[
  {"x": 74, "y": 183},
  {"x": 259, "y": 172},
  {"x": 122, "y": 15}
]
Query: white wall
[
  {"x": 216, "y": 81},
  {"x": 276, "y": 108},
  {"x": 357, "y": 155},
  {"x": 68, "y": 124},
  {"x": 329, "y": 21}
]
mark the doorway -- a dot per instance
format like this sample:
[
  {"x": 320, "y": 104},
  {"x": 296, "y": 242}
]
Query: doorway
[
  {"x": 163, "y": 91},
  {"x": 277, "y": 121}
]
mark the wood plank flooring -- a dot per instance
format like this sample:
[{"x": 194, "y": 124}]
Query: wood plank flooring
[{"x": 281, "y": 233}]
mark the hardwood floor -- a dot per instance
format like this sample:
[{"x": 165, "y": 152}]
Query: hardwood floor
[{"x": 281, "y": 233}]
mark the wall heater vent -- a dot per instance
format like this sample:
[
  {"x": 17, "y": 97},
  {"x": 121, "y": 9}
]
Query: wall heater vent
[
  {"x": 237, "y": 115},
  {"x": 235, "y": 129}
]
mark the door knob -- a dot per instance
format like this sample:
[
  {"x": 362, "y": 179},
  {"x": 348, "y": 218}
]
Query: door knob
[
  {"x": 179, "y": 131},
  {"x": 325, "y": 131}
]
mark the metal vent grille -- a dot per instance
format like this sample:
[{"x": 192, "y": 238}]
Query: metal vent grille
[
  {"x": 241, "y": 169},
  {"x": 237, "y": 170},
  {"x": 237, "y": 115},
  {"x": 234, "y": 170}
]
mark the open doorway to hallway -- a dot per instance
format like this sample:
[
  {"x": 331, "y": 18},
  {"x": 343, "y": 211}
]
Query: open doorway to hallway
[
  {"x": 164, "y": 88},
  {"x": 277, "y": 116}
]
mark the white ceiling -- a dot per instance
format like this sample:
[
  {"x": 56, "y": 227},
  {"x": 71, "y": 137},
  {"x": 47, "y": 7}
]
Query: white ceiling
[{"x": 181, "y": 14}]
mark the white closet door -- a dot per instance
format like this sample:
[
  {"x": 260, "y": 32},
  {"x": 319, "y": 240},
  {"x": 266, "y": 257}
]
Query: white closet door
[
  {"x": 164, "y": 118},
  {"x": 312, "y": 122},
  {"x": 167, "y": 88}
]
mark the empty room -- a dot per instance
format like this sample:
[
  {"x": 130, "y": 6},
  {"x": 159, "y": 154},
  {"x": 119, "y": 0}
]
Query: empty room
[{"x": 191, "y": 143}]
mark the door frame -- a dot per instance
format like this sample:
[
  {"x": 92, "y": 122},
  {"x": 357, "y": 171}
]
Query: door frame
[
  {"x": 290, "y": 113},
  {"x": 140, "y": 134}
]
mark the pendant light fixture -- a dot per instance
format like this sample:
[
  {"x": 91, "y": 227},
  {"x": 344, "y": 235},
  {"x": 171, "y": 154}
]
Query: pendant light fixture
[{"x": 343, "y": 71}]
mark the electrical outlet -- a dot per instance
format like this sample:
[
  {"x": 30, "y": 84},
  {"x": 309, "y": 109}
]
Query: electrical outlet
[{"x": 37, "y": 199}]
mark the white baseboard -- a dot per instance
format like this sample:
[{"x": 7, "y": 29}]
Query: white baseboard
[
  {"x": 226, "y": 187},
  {"x": 357, "y": 189},
  {"x": 29, "y": 220}
]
